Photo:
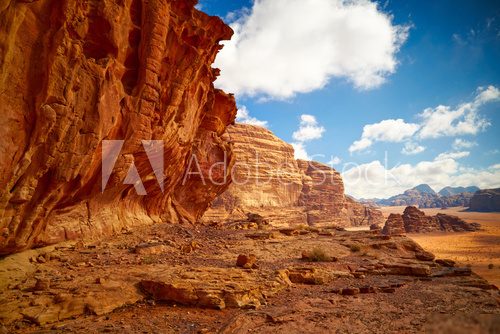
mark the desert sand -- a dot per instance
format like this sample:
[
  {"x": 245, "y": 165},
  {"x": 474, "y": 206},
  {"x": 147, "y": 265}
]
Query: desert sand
[{"x": 475, "y": 249}]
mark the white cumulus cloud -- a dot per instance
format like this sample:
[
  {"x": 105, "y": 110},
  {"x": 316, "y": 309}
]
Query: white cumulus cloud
[
  {"x": 462, "y": 143},
  {"x": 441, "y": 121},
  {"x": 300, "y": 151},
  {"x": 334, "y": 161},
  {"x": 453, "y": 155},
  {"x": 412, "y": 148},
  {"x": 376, "y": 180},
  {"x": 243, "y": 116},
  {"x": 284, "y": 47},
  {"x": 389, "y": 130},
  {"x": 309, "y": 129},
  {"x": 463, "y": 120}
]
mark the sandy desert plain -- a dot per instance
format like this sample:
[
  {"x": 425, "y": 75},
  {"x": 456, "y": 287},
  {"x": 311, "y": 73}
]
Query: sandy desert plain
[{"x": 479, "y": 249}]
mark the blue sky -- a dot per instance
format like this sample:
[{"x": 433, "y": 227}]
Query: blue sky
[{"x": 449, "y": 56}]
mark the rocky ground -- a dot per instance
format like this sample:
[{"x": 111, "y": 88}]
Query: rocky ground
[
  {"x": 185, "y": 279},
  {"x": 480, "y": 249}
]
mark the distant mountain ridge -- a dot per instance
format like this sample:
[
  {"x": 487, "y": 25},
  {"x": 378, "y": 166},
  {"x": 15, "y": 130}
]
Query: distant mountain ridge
[
  {"x": 448, "y": 191},
  {"x": 424, "y": 188},
  {"x": 425, "y": 197}
]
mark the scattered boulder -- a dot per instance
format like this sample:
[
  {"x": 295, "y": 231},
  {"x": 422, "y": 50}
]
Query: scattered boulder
[
  {"x": 190, "y": 247},
  {"x": 246, "y": 261},
  {"x": 310, "y": 276},
  {"x": 150, "y": 249},
  {"x": 41, "y": 284}
]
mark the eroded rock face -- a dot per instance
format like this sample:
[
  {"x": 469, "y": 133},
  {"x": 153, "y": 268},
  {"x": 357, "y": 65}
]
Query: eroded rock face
[
  {"x": 267, "y": 180},
  {"x": 362, "y": 214},
  {"x": 454, "y": 224},
  {"x": 76, "y": 73},
  {"x": 487, "y": 200},
  {"x": 417, "y": 222},
  {"x": 322, "y": 193},
  {"x": 394, "y": 225},
  {"x": 414, "y": 220}
]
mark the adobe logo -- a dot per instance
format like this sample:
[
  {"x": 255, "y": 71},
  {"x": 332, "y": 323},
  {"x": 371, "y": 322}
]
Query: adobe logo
[{"x": 111, "y": 150}]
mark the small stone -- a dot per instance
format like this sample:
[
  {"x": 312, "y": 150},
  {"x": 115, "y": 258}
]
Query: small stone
[
  {"x": 350, "y": 291},
  {"x": 246, "y": 262},
  {"x": 150, "y": 249},
  {"x": 367, "y": 289},
  {"x": 41, "y": 284},
  {"x": 100, "y": 280},
  {"x": 359, "y": 275}
]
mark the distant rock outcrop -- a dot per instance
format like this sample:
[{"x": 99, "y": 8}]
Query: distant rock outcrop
[
  {"x": 361, "y": 214},
  {"x": 417, "y": 222},
  {"x": 425, "y": 197},
  {"x": 268, "y": 181},
  {"x": 414, "y": 220},
  {"x": 487, "y": 200},
  {"x": 394, "y": 225}
]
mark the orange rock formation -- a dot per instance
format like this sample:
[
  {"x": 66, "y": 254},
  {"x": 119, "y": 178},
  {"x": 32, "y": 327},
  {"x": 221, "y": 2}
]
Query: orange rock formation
[
  {"x": 267, "y": 180},
  {"x": 75, "y": 73}
]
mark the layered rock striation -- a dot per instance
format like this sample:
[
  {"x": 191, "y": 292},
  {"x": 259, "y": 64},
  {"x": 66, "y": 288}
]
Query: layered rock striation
[
  {"x": 394, "y": 225},
  {"x": 77, "y": 73},
  {"x": 268, "y": 181},
  {"x": 415, "y": 221}
]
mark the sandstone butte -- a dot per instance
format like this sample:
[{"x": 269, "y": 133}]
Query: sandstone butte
[
  {"x": 414, "y": 220},
  {"x": 75, "y": 73},
  {"x": 268, "y": 181}
]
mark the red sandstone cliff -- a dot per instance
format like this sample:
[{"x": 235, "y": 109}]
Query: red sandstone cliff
[
  {"x": 267, "y": 180},
  {"x": 75, "y": 73}
]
